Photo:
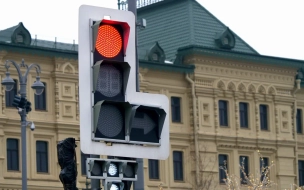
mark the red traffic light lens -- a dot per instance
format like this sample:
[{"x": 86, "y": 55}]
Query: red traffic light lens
[{"x": 109, "y": 41}]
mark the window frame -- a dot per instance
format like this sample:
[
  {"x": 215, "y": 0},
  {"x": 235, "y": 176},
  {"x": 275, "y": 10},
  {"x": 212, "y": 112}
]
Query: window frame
[
  {"x": 266, "y": 164},
  {"x": 41, "y": 105},
  {"x": 8, "y": 155},
  {"x": 244, "y": 115},
  {"x": 301, "y": 172},
  {"x": 40, "y": 153},
  {"x": 9, "y": 101},
  {"x": 264, "y": 117},
  {"x": 178, "y": 165},
  {"x": 223, "y": 113},
  {"x": 246, "y": 167},
  {"x": 221, "y": 171},
  {"x": 176, "y": 111},
  {"x": 299, "y": 121},
  {"x": 153, "y": 166}
]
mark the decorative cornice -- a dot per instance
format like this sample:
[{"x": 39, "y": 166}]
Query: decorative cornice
[
  {"x": 247, "y": 147},
  {"x": 243, "y": 69},
  {"x": 167, "y": 66},
  {"x": 234, "y": 55}
]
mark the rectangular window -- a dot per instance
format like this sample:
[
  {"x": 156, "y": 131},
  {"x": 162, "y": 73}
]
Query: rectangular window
[
  {"x": 223, "y": 164},
  {"x": 40, "y": 100},
  {"x": 301, "y": 172},
  {"x": 223, "y": 112},
  {"x": 176, "y": 109},
  {"x": 243, "y": 114},
  {"x": 244, "y": 162},
  {"x": 299, "y": 121},
  {"x": 264, "y": 163},
  {"x": 83, "y": 163},
  {"x": 42, "y": 162},
  {"x": 10, "y": 95},
  {"x": 153, "y": 169},
  {"x": 264, "y": 117},
  {"x": 178, "y": 165},
  {"x": 12, "y": 152}
]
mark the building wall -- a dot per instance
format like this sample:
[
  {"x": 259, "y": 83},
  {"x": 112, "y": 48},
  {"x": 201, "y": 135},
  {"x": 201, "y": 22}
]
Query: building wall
[{"x": 198, "y": 133}]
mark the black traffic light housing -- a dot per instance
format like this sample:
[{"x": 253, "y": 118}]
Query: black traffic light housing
[
  {"x": 19, "y": 102},
  {"x": 146, "y": 124},
  {"x": 23, "y": 103},
  {"x": 112, "y": 169}
]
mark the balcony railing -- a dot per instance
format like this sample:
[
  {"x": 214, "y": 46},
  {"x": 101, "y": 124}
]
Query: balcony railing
[{"x": 123, "y": 4}]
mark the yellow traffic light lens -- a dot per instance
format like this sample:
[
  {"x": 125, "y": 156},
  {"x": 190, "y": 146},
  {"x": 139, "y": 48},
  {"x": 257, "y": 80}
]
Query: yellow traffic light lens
[{"x": 109, "y": 41}]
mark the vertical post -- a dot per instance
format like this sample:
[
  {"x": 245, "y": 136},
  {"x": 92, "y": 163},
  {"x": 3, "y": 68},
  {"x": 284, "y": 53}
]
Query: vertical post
[
  {"x": 95, "y": 183},
  {"x": 23, "y": 134},
  {"x": 132, "y": 7},
  {"x": 139, "y": 184}
]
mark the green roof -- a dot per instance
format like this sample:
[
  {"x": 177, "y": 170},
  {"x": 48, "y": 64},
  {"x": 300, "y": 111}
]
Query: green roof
[{"x": 178, "y": 23}]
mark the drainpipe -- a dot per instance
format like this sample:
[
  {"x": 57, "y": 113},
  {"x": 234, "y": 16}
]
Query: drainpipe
[
  {"x": 195, "y": 131},
  {"x": 298, "y": 86}
]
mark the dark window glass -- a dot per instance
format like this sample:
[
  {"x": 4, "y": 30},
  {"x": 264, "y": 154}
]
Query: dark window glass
[
  {"x": 299, "y": 121},
  {"x": 264, "y": 163},
  {"x": 42, "y": 161},
  {"x": 153, "y": 169},
  {"x": 223, "y": 162},
  {"x": 301, "y": 172},
  {"x": 10, "y": 95},
  {"x": 264, "y": 117},
  {"x": 178, "y": 165},
  {"x": 223, "y": 112},
  {"x": 243, "y": 114},
  {"x": 176, "y": 109},
  {"x": 244, "y": 161},
  {"x": 40, "y": 100},
  {"x": 83, "y": 163},
  {"x": 12, "y": 148}
]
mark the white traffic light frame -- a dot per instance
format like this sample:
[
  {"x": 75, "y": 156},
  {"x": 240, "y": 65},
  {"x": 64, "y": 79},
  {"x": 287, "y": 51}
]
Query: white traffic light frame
[{"x": 87, "y": 14}]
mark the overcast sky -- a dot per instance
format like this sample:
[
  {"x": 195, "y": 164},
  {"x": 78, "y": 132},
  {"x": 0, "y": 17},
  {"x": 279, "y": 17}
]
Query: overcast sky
[{"x": 272, "y": 27}]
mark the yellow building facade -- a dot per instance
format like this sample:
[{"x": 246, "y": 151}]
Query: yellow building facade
[{"x": 225, "y": 106}]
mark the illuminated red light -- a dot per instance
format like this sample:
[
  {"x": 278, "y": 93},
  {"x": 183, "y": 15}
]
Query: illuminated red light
[{"x": 109, "y": 41}]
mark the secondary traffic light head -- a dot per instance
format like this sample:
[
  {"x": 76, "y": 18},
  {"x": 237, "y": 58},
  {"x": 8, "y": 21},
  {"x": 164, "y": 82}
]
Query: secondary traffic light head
[
  {"x": 114, "y": 185},
  {"x": 146, "y": 124},
  {"x": 112, "y": 169},
  {"x": 19, "y": 102}
]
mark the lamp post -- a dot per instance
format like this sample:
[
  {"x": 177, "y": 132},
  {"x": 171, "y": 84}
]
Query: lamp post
[{"x": 38, "y": 86}]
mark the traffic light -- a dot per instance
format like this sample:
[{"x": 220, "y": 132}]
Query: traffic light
[
  {"x": 111, "y": 169},
  {"x": 28, "y": 106},
  {"x": 19, "y": 102},
  {"x": 110, "y": 79},
  {"x": 114, "y": 185},
  {"x": 112, "y": 112},
  {"x": 146, "y": 124}
]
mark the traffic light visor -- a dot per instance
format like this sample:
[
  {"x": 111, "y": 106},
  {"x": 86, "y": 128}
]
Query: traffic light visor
[{"x": 109, "y": 41}]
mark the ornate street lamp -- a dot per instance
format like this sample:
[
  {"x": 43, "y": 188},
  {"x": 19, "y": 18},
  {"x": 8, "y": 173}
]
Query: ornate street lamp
[{"x": 38, "y": 87}]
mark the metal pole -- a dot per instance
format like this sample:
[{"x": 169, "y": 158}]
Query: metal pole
[
  {"x": 95, "y": 183},
  {"x": 23, "y": 134},
  {"x": 139, "y": 184},
  {"x": 132, "y": 7}
]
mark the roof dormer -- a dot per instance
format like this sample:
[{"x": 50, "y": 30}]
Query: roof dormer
[
  {"x": 156, "y": 53},
  {"x": 21, "y": 35},
  {"x": 225, "y": 39}
]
